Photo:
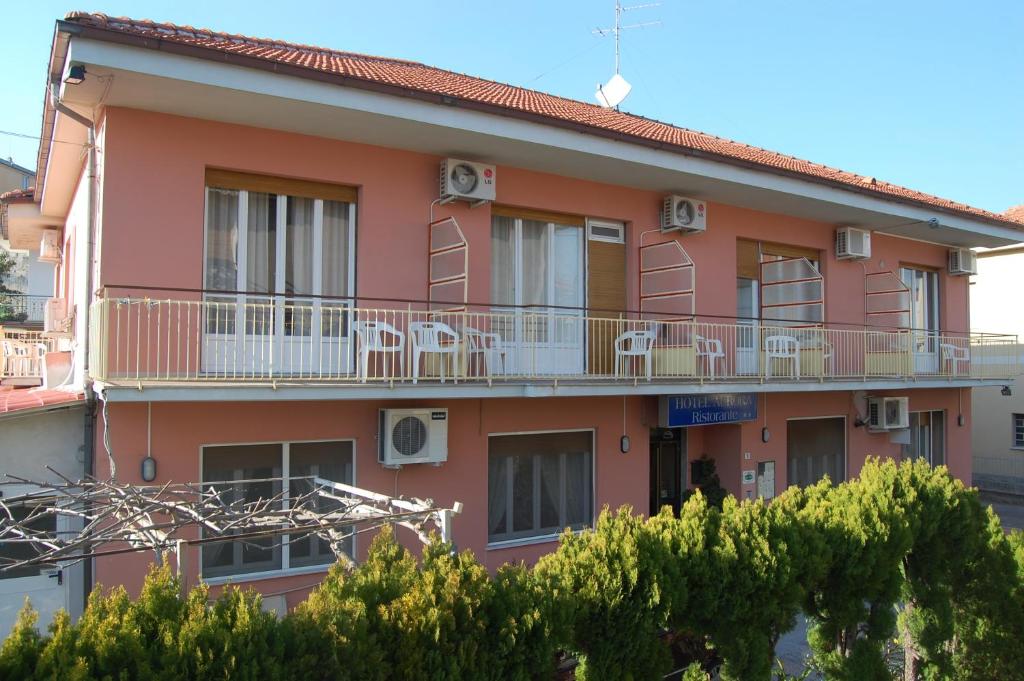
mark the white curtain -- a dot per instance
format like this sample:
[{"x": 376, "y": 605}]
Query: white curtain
[
  {"x": 298, "y": 276},
  {"x": 221, "y": 239},
  {"x": 335, "y": 249},
  {"x": 503, "y": 261},
  {"x": 535, "y": 263},
  {"x": 261, "y": 243},
  {"x": 497, "y": 496},
  {"x": 568, "y": 264}
]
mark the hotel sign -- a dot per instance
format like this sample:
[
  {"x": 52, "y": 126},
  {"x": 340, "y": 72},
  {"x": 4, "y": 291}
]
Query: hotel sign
[{"x": 680, "y": 411}]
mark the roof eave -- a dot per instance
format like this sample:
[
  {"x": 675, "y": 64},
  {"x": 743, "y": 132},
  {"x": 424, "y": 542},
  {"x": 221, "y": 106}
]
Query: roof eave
[{"x": 70, "y": 27}]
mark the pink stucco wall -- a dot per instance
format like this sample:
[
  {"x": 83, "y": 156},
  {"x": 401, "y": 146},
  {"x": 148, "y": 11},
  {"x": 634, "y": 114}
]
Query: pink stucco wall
[
  {"x": 179, "y": 430},
  {"x": 153, "y": 215},
  {"x": 152, "y": 236}
]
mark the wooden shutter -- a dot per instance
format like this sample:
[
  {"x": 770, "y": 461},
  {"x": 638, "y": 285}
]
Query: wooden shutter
[
  {"x": 229, "y": 179},
  {"x": 606, "y": 299}
]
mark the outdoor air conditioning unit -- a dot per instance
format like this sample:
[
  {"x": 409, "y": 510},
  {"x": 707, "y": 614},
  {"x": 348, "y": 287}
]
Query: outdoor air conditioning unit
[
  {"x": 55, "y": 319},
  {"x": 413, "y": 436},
  {"x": 962, "y": 262},
  {"x": 473, "y": 182},
  {"x": 49, "y": 247},
  {"x": 853, "y": 243},
  {"x": 680, "y": 213},
  {"x": 888, "y": 413}
]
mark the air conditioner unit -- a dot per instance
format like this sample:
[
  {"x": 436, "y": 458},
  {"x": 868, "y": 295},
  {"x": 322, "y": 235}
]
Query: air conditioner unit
[
  {"x": 962, "y": 262},
  {"x": 888, "y": 413},
  {"x": 853, "y": 243},
  {"x": 413, "y": 436},
  {"x": 473, "y": 182},
  {"x": 684, "y": 214},
  {"x": 56, "y": 318},
  {"x": 49, "y": 247}
]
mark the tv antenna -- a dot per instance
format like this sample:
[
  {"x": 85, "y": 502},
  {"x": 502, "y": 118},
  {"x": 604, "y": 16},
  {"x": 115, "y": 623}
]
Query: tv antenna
[{"x": 611, "y": 94}]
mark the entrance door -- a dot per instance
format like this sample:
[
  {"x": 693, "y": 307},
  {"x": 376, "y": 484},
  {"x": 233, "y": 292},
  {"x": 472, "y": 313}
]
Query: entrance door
[
  {"x": 668, "y": 450},
  {"x": 43, "y": 586}
]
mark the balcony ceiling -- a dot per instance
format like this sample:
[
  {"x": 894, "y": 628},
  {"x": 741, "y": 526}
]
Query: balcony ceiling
[{"x": 147, "y": 79}]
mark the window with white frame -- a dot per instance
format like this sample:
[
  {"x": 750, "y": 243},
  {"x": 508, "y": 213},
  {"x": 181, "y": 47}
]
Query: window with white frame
[
  {"x": 538, "y": 484},
  {"x": 1018, "y": 430},
  {"x": 259, "y": 470},
  {"x": 536, "y": 263},
  {"x": 292, "y": 246}
]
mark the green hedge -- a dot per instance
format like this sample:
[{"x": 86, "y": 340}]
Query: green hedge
[{"x": 900, "y": 569}]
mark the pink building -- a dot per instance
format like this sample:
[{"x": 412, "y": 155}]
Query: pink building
[{"x": 264, "y": 279}]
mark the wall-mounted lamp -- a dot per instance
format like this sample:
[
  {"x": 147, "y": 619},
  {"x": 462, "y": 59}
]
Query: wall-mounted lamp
[
  {"x": 149, "y": 469},
  {"x": 1006, "y": 391},
  {"x": 624, "y": 444},
  {"x": 765, "y": 434},
  {"x": 960, "y": 420},
  {"x": 933, "y": 223},
  {"x": 76, "y": 74}
]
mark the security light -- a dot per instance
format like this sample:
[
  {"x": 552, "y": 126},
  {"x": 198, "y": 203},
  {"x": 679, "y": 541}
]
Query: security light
[
  {"x": 1006, "y": 391},
  {"x": 149, "y": 469}
]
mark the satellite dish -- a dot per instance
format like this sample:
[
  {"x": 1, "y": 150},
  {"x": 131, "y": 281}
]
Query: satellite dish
[
  {"x": 613, "y": 92},
  {"x": 464, "y": 178}
]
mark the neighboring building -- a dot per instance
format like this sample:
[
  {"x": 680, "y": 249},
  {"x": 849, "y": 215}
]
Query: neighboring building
[
  {"x": 997, "y": 435},
  {"x": 252, "y": 248},
  {"x": 32, "y": 280}
]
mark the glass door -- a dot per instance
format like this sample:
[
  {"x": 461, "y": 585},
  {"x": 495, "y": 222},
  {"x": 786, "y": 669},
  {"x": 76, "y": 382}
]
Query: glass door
[
  {"x": 275, "y": 257},
  {"x": 927, "y": 437},
  {"x": 747, "y": 342},
  {"x": 537, "y": 291},
  {"x": 924, "y": 318}
]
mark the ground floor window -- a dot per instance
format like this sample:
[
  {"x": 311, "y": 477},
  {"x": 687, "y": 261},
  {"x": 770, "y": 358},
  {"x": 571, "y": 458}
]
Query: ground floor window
[
  {"x": 539, "y": 484},
  {"x": 927, "y": 437},
  {"x": 815, "y": 448},
  {"x": 14, "y": 551},
  {"x": 1018, "y": 430},
  {"x": 260, "y": 470}
]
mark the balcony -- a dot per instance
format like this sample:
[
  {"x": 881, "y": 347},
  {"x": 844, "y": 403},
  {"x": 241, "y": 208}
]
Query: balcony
[
  {"x": 239, "y": 340},
  {"x": 18, "y": 309},
  {"x": 23, "y": 355}
]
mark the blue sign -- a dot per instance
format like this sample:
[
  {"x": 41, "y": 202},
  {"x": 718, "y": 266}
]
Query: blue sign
[{"x": 679, "y": 411}]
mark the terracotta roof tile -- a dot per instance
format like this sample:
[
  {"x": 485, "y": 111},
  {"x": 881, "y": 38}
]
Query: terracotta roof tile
[
  {"x": 21, "y": 399},
  {"x": 1016, "y": 213},
  {"x": 415, "y": 76},
  {"x": 17, "y": 196}
]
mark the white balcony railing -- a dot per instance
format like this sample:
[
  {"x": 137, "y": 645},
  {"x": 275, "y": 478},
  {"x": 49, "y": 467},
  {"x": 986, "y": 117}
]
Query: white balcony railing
[{"x": 246, "y": 340}]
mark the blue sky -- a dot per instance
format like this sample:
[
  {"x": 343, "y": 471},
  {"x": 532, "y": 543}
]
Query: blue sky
[{"x": 924, "y": 93}]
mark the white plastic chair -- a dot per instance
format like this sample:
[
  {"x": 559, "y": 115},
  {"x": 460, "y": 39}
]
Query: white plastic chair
[
  {"x": 22, "y": 359},
  {"x": 955, "y": 355},
  {"x": 709, "y": 349},
  {"x": 381, "y": 337},
  {"x": 636, "y": 343},
  {"x": 781, "y": 347},
  {"x": 484, "y": 349},
  {"x": 437, "y": 338}
]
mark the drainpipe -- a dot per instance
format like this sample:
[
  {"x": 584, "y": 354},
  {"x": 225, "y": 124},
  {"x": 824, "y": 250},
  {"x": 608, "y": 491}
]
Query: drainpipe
[{"x": 89, "y": 427}]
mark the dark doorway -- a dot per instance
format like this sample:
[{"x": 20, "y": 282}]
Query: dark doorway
[
  {"x": 816, "y": 448},
  {"x": 668, "y": 470}
]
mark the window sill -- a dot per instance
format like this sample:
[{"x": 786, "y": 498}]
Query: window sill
[
  {"x": 527, "y": 541},
  {"x": 263, "y": 576}
]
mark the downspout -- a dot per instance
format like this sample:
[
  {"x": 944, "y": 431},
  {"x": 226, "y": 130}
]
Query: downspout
[{"x": 89, "y": 427}]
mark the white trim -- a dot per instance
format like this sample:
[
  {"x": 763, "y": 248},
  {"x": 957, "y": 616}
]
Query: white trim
[
  {"x": 284, "y": 392},
  {"x": 611, "y": 224},
  {"x": 285, "y": 544},
  {"x": 263, "y": 576}
]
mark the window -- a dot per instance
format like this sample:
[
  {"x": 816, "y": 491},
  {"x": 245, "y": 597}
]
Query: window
[
  {"x": 927, "y": 437},
  {"x": 287, "y": 245},
  {"x": 260, "y": 470},
  {"x": 815, "y": 448},
  {"x": 22, "y": 550},
  {"x": 779, "y": 283},
  {"x": 536, "y": 262},
  {"x": 1018, "y": 430},
  {"x": 539, "y": 484}
]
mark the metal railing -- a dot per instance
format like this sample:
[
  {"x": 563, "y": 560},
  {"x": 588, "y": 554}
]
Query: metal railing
[
  {"x": 20, "y": 308},
  {"x": 248, "y": 339}
]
